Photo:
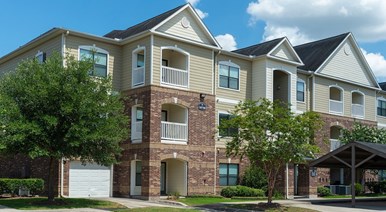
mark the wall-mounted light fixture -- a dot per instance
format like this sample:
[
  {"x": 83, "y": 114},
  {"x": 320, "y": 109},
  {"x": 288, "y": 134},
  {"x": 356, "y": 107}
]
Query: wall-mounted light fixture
[{"x": 202, "y": 96}]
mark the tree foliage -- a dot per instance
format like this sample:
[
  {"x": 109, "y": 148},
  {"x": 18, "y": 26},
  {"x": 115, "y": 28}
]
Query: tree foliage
[
  {"x": 271, "y": 135},
  {"x": 55, "y": 111},
  {"x": 365, "y": 133}
]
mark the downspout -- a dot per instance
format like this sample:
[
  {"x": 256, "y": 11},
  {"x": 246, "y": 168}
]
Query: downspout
[
  {"x": 311, "y": 104},
  {"x": 286, "y": 181},
  {"x": 63, "y": 52},
  {"x": 215, "y": 148}
]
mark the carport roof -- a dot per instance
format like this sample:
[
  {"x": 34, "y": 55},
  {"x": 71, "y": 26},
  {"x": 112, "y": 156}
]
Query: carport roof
[{"x": 367, "y": 155}]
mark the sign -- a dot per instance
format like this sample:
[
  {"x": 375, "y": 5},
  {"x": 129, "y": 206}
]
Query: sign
[{"x": 201, "y": 106}]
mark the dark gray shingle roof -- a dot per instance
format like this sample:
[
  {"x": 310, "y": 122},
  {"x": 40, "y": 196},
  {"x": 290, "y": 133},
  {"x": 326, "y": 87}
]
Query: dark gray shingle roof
[
  {"x": 259, "y": 49},
  {"x": 382, "y": 85},
  {"x": 143, "y": 26},
  {"x": 313, "y": 54}
]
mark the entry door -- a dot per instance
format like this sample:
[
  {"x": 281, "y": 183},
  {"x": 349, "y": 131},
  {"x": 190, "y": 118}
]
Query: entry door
[{"x": 163, "y": 178}]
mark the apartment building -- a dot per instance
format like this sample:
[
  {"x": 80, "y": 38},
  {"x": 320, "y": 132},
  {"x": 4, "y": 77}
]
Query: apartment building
[{"x": 180, "y": 85}]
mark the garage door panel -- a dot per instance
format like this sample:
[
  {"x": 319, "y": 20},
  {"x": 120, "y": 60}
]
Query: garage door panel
[{"x": 90, "y": 180}]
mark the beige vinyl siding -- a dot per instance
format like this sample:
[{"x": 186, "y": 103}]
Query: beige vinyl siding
[
  {"x": 303, "y": 106},
  {"x": 322, "y": 96},
  {"x": 245, "y": 85},
  {"x": 127, "y": 59},
  {"x": 283, "y": 52},
  {"x": 114, "y": 59},
  {"x": 200, "y": 64},
  {"x": 259, "y": 82},
  {"x": 194, "y": 32},
  {"x": 49, "y": 47},
  {"x": 380, "y": 119},
  {"x": 348, "y": 67}
]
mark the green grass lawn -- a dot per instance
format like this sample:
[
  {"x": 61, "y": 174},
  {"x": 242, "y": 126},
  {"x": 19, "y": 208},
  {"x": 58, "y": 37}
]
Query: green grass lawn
[
  {"x": 157, "y": 209},
  {"x": 195, "y": 201},
  {"x": 349, "y": 196},
  {"x": 60, "y": 203},
  {"x": 256, "y": 207}
]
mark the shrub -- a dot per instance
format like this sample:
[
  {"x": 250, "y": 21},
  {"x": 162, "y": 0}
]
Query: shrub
[
  {"x": 374, "y": 187},
  {"x": 358, "y": 188},
  {"x": 11, "y": 186},
  {"x": 255, "y": 177},
  {"x": 241, "y": 191},
  {"x": 323, "y": 191}
]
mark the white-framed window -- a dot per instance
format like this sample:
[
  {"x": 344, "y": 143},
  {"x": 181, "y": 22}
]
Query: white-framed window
[
  {"x": 381, "y": 107},
  {"x": 41, "y": 56},
  {"x": 225, "y": 132},
  {"x": 300, "y": 90},
  {"x": 136, "y": 123},
  {"x": 228, "y": 174},
  {"x": 357, "y": 104},
  {"x": 138, "y": 173},
  {"x": 229, "y": 75},
  {"x": 336, "y": 99},
  {"x": 138, "y": 66},
  {"x": 98, "y": 56}
]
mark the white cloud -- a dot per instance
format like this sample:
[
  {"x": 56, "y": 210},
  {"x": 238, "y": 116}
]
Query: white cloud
[
  {"x": 227, "y": 42},
  {"x": 377, "y": 63},
  {"x": 200, "y": 13},
  {"x": 315, "y": 19}
]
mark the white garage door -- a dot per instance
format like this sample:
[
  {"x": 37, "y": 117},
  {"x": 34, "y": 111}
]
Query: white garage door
[{"x": 91, "y": 180}]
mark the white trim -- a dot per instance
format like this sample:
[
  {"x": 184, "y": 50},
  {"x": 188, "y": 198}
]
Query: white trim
[
  {"x": 342, "y": 99},
  {"x": 305, "y": 86},
  {"x": 230, "y": 64},
  {"x": 380, "y": 125},
  {"x": 313, "y": 93},
  {"x": 63, "y": 50},
  {"x": 381, "y": 98},
  {"x": 299, "y": 112},
  {"x": 227, "y": 101},
  {"x": 300, "y": 63},
  {"x": 61, "y": 177},
  {"x": 99, "y": 50},
  {"x": 347, "y": 81},
  {"x": 364, "y": 103},
  {"x": 213, "y": 72},
  {"x": 289, "y": 89},
  {"x": 174, "y": 142},
  {"x": 134, "y": 60},
  {"x": 151, "y": 57},
  {"x": 135, "y": 140},
  {"x": 133, "y": 187},
  {"x": 185, "y": 40},
  {"x": 182, "y": 51},
  {"x": 218, "y": 122}
]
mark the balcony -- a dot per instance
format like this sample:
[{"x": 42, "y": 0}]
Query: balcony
[
  {"x": 137, "y": 133},
  {"x": 174, "y": 131},
  {"x": 174, "y": 77},
  {"x": 138, "y": 76},
  {"x": 336, "y": 106},
  {"x": 357, "y": 110}
]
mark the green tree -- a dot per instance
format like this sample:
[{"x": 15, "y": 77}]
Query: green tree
[
  {"x": 55, "y": 111},
  {"x": 271, "y": 135},
  {"x": 365, "y": 133}
]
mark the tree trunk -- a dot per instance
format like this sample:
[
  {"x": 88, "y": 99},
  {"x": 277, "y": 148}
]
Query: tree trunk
[{"x": 51, "y": 195}]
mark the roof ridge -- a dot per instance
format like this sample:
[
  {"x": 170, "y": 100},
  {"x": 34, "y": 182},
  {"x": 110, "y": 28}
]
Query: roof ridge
[
  {"x": 254, "y": 45},
  {"x": 324, "y": 39}
]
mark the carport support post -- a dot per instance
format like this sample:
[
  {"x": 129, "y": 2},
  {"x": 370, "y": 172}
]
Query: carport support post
[{"x": 353, "y": 176}]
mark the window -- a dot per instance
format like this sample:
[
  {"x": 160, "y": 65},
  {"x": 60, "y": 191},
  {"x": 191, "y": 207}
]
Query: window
[
  {"x": 226, "y": 131},
  {"x": 138, "y": 173},
  {"x": 228, "y": 174},
  {"x": 98, "y": 58},
  {"x": 229, "y": 75},
  {"x": 139, "y": 114},
  {"x": 138, "y": 67},
  {"x": 381, "y": 109},
  {"x": 300, "y": 85},
  {"x": 41, "y": 57},
  {"x": 140, "y": 60}
]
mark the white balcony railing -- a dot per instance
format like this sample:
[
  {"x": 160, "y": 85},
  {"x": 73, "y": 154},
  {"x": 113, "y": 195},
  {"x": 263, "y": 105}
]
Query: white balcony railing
[
  {"x": 336, "y": 106},
  {"x": 174, "y": 76},
  {"x": 138, "y": 76},
  {"x": 334, "y": 144},
  {"x": 357, "y": 110},
  {"x": 137, "y": 130},
  {"x": 174, "y": 131}
]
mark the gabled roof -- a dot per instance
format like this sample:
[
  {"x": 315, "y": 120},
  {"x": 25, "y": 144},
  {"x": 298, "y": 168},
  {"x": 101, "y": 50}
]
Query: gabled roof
[
  {"x": 259, "y": 49},
  {"x": 382, "y": 85},
  {"x": 143, "y": 26},
  {"x": 314, "y": 54}
]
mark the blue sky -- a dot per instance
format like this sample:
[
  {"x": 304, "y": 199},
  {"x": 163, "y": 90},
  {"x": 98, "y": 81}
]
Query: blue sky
[{"x": 236, "y": 23}]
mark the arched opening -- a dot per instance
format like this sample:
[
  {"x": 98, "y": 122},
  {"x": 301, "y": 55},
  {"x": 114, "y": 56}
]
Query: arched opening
[
  {"x": 138, "y": 67},
  {"x": 174, "y": 177},
  {"x": 174, "y": 123},
  {"x": 281, "y": 86},
  {"x": 136, "y": 123},
  {"x": 336, "y": 174},
  {"x": 357, "y": 104},
  {"x": 336, "y": 100},
  {"x": 335, "y": 134},
  {"x": 174, "y": 67}
]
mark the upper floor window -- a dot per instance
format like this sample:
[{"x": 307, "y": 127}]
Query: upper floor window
[
  {"x": 357, "y": 104},
  {"x": 98, "y": 57},
  {"x": 336, "y": 99},
  {"x": 138, "y": 67},
  {"x": 229, "y": 75},
  {"x": 300, "y": 90},
  {"x": 228, "y": 174},
  {"x": 225, "y": 132},
  {"x": 381, "y": 109},
  {"x": 41, "y": 57}
]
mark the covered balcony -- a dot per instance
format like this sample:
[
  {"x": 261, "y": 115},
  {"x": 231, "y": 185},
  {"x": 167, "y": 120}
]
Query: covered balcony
[
  {"x": 357, "y": 104},
  {"x": 336, "y": 100},
  {"x": 175, "y": 67},
  {"x": 281, "y": 86},
  {"x": 174, "y": 124}
]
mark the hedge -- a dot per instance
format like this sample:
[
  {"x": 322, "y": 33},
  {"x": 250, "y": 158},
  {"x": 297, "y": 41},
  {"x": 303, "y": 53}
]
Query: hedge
[
  {"x": 12, "y": 186},
  {"x": 241, "y": 191}
]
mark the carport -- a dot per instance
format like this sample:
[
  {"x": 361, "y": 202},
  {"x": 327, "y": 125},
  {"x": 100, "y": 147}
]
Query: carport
[{"x": 354, "y": 155}]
